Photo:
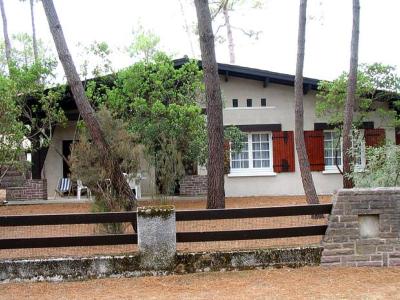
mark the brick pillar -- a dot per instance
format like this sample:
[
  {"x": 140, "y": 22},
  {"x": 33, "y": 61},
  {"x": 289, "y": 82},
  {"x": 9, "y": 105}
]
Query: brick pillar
[{"x": 363, "y": 229}]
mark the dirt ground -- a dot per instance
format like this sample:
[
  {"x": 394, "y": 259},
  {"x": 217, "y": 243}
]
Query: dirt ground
[
  {"x": 303, "y": 283},
  {"x": 90, "y": 229}
]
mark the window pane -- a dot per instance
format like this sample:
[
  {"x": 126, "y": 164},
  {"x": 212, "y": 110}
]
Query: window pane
[
  {"x": 255, "y": 137},
  {"x": 265, "y": 163},
  {"x": 264, "y": 146},
  {"x": 256, "y": 163}
]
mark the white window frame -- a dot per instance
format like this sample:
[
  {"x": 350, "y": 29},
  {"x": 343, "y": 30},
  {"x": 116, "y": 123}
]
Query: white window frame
[
  {"x": 252, "y": 171},
  {"x": 333, "y": 168}
]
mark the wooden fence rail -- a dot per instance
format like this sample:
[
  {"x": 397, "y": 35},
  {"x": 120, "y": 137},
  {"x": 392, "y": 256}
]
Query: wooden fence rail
[
  {"x": 256, "y": 212},
  {"x": 189, "y": 215}
]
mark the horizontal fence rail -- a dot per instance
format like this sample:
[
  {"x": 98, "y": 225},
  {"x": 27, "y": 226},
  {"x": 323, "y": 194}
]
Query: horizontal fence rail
[
  {"x": 257, "y": 212},
  {"x": 69, "y": 241},
  {"x": 233, "y": 235},
  {"x": 64, "y": 219}
]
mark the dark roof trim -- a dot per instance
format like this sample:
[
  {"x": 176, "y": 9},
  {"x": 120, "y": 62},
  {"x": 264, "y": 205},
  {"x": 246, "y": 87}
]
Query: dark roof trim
[
  {"x": 255, "y": 74},
  {"x": 258, "y": 127}
]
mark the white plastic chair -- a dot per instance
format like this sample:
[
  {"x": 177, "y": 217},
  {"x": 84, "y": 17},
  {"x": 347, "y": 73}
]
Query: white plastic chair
[
  {"x": 134, "y": 183},
  {"x": 81, "y": 187}
]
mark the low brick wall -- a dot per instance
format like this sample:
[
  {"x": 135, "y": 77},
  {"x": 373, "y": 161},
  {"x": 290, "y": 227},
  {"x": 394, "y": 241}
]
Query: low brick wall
[
  {"x": 193, "y": 185},
  {"x": 56, "y": 269},
  {"x": 31, "y": 189},
  {"x": 363, "y": 229}
]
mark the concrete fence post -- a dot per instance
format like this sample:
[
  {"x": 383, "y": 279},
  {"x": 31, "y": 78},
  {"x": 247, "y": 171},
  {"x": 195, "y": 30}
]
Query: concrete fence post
[{"x": 156, "y": 237}]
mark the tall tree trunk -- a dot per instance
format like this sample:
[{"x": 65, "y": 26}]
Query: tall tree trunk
[
  {"x": 5, "y": 33},
  {"x": 351, "y": 94},
  {"x": 231, "y": 45},
  {"x": 306, "y": 177},
  {"x": 34, "y": 41},
  {"x": 215, "y": 127},
  {"x": 118, "y": 180}
]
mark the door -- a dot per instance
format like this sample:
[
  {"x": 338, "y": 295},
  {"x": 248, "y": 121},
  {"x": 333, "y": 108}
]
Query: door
[{"x": 66, "y": 152}]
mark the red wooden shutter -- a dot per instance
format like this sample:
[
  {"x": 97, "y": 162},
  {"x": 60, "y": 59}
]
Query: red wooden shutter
[
  {"x": 374, "y": 137},
  {"x": 227, "y": 157},
  {"x": 398, "y": 137},
  {"x": 283, "y": 151},
  {"x": 314, "y": 140}
]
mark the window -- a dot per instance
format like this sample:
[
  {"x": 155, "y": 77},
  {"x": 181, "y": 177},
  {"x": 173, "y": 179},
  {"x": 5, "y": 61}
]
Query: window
[
  {"x": 256, "y": 154},
  {"x": 249, "y": 102},
  {"x": 241, "y": 160},
  {"x": 235, "y": 103},
  {"x": 263, "y": 102},
  {"x": 333, "y": 151}
]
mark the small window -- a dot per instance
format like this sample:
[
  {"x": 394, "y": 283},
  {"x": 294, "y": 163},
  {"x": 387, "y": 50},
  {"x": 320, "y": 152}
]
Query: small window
[
  {"x": 234, "y": 102},
  {"x": 263, "y": 102},
  {"x": 249, "y": 102}
]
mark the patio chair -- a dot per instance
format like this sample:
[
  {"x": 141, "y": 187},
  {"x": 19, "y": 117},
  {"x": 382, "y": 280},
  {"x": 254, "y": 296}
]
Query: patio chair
[
  {"x": 64, "y": 186},
  {"x": 134, "y": 184},
  {"x": 80, "y": 187}
]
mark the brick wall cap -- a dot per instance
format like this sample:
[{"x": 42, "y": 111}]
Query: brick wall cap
[{"x": 369, "y": 191}]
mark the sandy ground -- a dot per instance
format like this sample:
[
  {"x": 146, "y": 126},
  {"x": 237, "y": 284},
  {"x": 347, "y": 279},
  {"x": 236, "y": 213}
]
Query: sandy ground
[
  {"x": 90, "y": 229},
  {"x": 303, "y": 283}
]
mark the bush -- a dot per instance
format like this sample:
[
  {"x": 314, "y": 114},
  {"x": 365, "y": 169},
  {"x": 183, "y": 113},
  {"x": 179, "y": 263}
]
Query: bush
[
  {"x": 382, "y": 167},
  {"x": 86, "y": 164}
]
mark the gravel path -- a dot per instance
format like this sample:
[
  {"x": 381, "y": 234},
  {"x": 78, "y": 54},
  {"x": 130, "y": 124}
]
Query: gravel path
[{"x": 304, "y": 283}]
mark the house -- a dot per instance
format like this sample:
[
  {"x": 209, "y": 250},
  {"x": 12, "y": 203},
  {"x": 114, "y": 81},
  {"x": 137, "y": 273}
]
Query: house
[{"x": 261, "y": 104}]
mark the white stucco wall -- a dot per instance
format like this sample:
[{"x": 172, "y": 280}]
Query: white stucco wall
[
  {"x": 53, "y": 165},
  {"x": 279, "y": 110}
]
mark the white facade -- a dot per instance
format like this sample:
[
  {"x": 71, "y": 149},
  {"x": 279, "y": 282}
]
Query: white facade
[{"x": 278, "y": 109}]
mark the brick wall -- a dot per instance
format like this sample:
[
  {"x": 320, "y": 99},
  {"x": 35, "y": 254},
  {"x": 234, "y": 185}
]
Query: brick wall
[
  {"x": 193, "y": 185},
  {"x": 31, "y": 189},
  {"x": 363, "y": 229}
]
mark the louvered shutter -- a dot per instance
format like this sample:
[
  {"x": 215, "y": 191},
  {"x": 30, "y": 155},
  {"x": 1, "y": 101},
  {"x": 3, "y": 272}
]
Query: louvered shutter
[
  {"x": 374, "y": 137},
  {"x": 314, "y": 140},
  {"x": 283, "y": 151}
]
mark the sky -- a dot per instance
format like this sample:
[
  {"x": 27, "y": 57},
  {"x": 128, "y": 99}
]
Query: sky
[{"x": 327, "y": 40}]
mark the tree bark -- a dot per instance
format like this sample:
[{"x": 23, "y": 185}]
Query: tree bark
[
  {"x": 215, "y": 128},
  {"x": 118, "y": 180},
  {"x": 231, "y": 45},
  {"x": 34, "y": 41},
  {"x": 6, "y": 37},
  {"x": 351, "y": 94},
  {"x": 304, "y": 164}
]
